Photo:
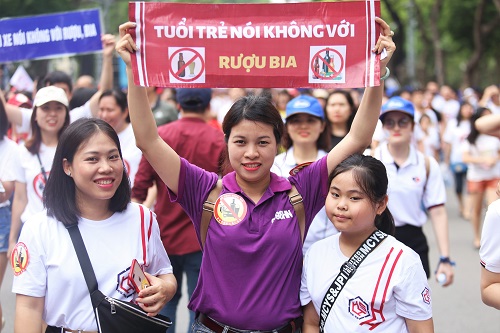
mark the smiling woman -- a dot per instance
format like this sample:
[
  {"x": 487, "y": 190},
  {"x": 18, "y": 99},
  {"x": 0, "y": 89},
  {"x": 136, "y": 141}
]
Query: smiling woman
[
  {"x": 88, "y": 188},
  {"x": 49, "y": 118}
]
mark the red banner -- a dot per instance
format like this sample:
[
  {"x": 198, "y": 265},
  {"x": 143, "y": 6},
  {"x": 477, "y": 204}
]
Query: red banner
[{"x": 293, "y": 45}]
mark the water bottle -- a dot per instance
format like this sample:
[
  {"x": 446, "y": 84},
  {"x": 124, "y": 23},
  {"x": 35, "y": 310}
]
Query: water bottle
[{"x": 441, "y": 278}]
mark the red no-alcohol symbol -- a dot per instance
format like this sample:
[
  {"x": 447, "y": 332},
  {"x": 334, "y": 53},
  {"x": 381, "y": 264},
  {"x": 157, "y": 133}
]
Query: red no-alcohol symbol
[
  {"x": 188, "y": 64},
  {"x": 323, "y": 65}
]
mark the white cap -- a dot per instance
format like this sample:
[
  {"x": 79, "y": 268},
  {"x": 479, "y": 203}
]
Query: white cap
[{"x": 49, "y": 94}]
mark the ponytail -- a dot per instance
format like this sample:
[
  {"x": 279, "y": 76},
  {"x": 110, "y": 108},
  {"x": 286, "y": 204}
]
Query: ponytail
[{"x": 385, "y": 222}]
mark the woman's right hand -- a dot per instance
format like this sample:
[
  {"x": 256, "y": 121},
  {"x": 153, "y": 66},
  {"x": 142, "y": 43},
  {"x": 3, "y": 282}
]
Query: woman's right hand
[{"x": 126, "y": 44}]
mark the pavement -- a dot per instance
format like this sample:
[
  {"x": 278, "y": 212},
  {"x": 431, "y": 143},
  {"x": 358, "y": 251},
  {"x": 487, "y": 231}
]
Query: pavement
[{"x": 456, "y": 309}]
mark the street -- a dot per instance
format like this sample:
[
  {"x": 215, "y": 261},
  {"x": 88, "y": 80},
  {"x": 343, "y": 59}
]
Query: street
[{"x": 457, "y": 308}]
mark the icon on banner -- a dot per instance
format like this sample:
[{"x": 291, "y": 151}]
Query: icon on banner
[
  {"x": 187, "y": 64},
  {"x": 327, "y": 64}
]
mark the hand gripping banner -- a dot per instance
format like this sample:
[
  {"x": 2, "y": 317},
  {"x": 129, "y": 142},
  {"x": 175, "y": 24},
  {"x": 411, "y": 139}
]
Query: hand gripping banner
[{"x": 293, "y": 45}]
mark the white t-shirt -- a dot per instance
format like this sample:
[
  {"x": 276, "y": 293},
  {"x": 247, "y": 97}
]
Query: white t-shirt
[
  {"x": 31, "y": 174},
  {"x": 489, "y": 253},
  {"x": 51, "y": 268},
  {"x": 431, "y": 114},
  {"x": 485, "y": 146},
  {"x": 74, "y": 114},
  {"x": 321, "y": 227},
  {"x": 389, "y": 286},
  {"x": 448, "y": 108},
  {"x": 131, "y": 154},
  {"x": 406, "y": 186},
  {"x": 454, "y": 135},
  {"x": 9, "y": 163},
  {"x": 431, "y": 141}
]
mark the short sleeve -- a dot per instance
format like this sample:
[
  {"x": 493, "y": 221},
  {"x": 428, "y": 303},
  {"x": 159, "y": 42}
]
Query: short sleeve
[
  {"x": 80, "y": 112},
  {"x": 489, "y": 252},
  {"x": 435, "y": 190},
  {"x": 28, "y": 262},
  {"x": 160, "y": 263},
  {"x": 413, "y": 294},
  {"x": 305, "y": 297}
]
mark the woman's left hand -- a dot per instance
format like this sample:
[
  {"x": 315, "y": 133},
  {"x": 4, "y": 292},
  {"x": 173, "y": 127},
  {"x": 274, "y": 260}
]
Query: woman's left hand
[
  {"x": 384, "y": 42},
  {"x": 153, "y": 298}
]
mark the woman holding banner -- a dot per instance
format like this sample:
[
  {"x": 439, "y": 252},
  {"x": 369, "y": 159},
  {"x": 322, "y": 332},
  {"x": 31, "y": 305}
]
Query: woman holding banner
[{"x": 252, "y": 258}]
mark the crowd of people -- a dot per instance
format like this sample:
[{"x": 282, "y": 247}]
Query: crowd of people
[{"x": 250, "y": 194}]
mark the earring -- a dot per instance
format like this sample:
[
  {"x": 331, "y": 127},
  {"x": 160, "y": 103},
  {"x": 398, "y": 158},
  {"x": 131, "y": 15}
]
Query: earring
[{"x": 69, "y": 173}]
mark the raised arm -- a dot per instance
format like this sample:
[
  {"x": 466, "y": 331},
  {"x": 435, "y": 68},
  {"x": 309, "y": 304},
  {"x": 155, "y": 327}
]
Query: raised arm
[
  {"x": 365, "y": 121},
  {"x": 106, "y": 80},
  {"x": 489, "y": 124},
  {"x": 161, "y": 156}
]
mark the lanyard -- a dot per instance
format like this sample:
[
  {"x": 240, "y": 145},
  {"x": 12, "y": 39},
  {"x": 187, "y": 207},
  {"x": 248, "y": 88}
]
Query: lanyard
[
  {"x": 347, "y": 270},
  {"x": 42, "y": 168}
]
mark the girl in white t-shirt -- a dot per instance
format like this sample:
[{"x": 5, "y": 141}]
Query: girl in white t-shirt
[
  {"x": 88, "y": 187},
  {"x": 389, "y": 289},
  {"x": 49, "y": 118},
  {"x": 481, "y": 153}
]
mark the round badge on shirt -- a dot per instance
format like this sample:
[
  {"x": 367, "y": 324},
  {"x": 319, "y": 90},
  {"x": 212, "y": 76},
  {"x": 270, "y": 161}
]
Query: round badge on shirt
[
  {"x": 19, "y": 258},
  {"x": 230, "y": 209}
]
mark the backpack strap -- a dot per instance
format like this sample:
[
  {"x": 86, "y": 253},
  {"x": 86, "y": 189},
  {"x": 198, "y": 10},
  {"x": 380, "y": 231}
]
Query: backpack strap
[
  {"x": 298, "y": 205},
  {"x": 208, "y": 210}
]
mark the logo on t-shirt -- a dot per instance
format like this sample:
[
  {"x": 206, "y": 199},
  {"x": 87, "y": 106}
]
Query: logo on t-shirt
[
  {"x": 124, "y": 286},
  {"x": 426, "y": 295},
  {"x": 39, "y": 183},
  {"x": 230, "y": 209},
  {"x": 416, "y": 179},
  {"x": 359, "y": 308},
  {"x": 19, "y": 258}
]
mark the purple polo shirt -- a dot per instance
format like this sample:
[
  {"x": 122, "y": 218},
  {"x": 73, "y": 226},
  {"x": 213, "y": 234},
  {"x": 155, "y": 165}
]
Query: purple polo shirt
[{"x": 250, "y": 273}]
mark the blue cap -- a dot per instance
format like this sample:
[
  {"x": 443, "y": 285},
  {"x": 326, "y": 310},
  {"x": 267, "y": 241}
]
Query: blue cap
[
  {"x": 193, "y": 98},
  {"x": 397, "y": 104},
  {"x": 305, "y": 104}
]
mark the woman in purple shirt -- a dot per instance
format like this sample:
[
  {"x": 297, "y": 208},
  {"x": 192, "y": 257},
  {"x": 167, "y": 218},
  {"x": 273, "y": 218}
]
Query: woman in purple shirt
[{"x": 252, "y": 257}]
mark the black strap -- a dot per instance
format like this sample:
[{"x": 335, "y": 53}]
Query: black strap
[
  {"x": 42, "y": 168},
  {"x": 83, "y": 257},
  {"x": 347, "y": 270}
]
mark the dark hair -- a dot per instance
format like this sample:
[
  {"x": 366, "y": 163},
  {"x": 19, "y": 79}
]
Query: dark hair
[
  {"x": 59, "y": 194},
  {"x": 350, "y": 101},
  {"x": 57, "y": 77},
  {"x": 370, "y": 174},
  {"x": 474, "y": 132},
  {"x": 459, "y": 115},
  {"x": 4, "y": 122},
  {"x": 120, "y": 99},
  {"x": 34, "y": 142},
  {"x": 323, "y": 141},
  {"x": 81, "y": 96},
  {"x": 254, "y": 108}
]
